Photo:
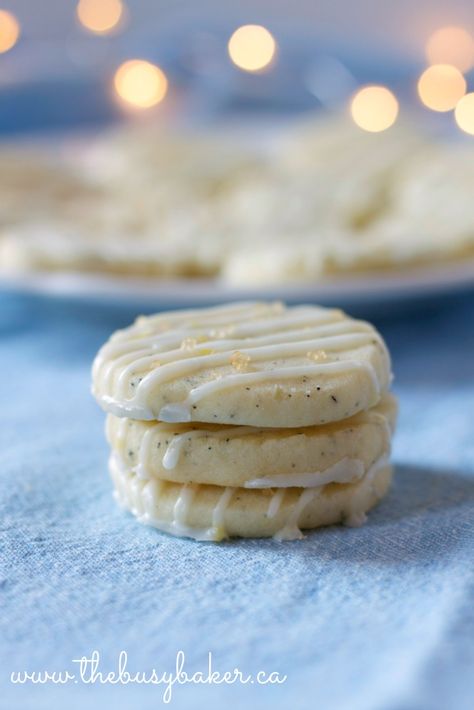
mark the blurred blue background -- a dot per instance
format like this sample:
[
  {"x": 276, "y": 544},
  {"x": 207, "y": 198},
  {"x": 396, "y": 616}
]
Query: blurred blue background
[{"x": 59, "y": 74}]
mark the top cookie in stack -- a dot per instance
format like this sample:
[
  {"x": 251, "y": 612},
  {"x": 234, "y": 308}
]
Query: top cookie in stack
[{"x": 248, "y": 379}]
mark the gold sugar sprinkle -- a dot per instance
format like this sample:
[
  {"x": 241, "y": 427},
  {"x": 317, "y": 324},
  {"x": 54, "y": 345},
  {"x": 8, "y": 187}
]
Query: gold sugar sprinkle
[
  {"x": 218, "y": 333},
  {"x": 317, "y": 355},
  {"x": 191, "y": 343},
  {"x": 240, "y": 361}
]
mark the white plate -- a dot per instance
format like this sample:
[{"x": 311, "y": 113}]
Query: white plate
[{"x": 370, "y": 292}]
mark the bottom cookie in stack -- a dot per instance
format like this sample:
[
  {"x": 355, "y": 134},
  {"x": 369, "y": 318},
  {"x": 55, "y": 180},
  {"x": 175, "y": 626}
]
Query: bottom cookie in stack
[{"x": 210, "y": 482}]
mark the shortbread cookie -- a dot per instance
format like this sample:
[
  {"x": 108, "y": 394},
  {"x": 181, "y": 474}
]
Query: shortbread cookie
[
  {"x": 248, "y": 457},
  {"x": 327, "y": 175},
  {"x": 94, "y": 247},
  {"x": 123, "y": 212},
  {"x": 34, "y": 186},
  {"x": 283, "y": 261},
  {"x": 206, "y": 512},
  {"x": 257, "y": 364}
]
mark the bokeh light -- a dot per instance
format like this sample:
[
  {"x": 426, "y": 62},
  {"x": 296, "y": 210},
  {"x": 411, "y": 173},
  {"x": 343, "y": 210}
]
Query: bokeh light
[
  {"x": 140, "y": 83},
  {"x": 374, "y": 108},
  {"x": 464, "y": 114},
  {"x": 100, "y": 16},
  {"x": 9, "y": 30},
  {"x": 252, "y": 48},
  {"x": 441, "y": 86},
  {"x": 451, "y": 45}
]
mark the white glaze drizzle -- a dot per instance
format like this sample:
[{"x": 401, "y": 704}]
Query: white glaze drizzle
[
  {"x": 135, "y": 494},
  {"x": 145, "y": 453},
  {"x": 356, "y": 517},
  {"x": 151, "y": 492},
  {"x": 218, "y": 514},
  {"x": 275, "y": 502},
  {"x": 125, "y": 409},
  {"x": 344, "y": 471},
  {"x": 291, "y": 530},
  {"x": 182, "y": 505},
  {"x": 380, "y": 463}
]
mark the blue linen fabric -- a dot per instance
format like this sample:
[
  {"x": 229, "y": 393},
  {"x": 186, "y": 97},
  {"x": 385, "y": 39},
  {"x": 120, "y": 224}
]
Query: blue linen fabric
[{"x": 376, "y": 618}]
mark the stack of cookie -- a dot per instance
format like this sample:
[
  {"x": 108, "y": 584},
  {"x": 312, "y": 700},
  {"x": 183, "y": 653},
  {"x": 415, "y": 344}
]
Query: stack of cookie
[{"x": 249, "y": 419}]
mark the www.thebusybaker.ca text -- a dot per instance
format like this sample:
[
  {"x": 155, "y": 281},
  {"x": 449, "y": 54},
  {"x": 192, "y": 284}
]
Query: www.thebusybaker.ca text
[{"x": 89, "y": 672}]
